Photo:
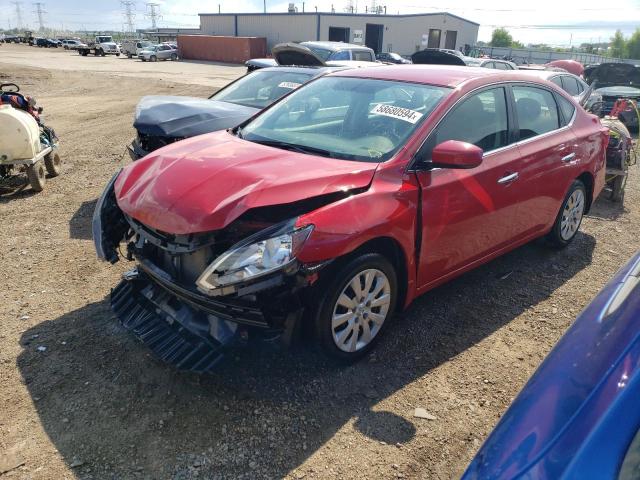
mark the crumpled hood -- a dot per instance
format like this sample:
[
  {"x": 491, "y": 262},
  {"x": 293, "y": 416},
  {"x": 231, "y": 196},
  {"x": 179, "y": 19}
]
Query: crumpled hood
[
  {"x": 173, "y": 116},
  {"x": 620, "y": 92},
  {"x": 204, "y": 183}
]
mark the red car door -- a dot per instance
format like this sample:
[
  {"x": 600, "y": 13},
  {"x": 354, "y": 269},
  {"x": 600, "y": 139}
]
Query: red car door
[
  {"x": 468, "y": 215},
  {"x": 548, "y": 148}
]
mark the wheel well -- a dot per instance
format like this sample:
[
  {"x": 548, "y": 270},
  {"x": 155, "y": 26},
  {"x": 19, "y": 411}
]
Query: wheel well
[
  {"x": 391, "y": 249},
  {"x": 587, "y": 179}
]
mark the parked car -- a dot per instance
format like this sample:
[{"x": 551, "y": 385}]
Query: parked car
[
  {"x": 391, "y": 57},
  {"x": 491, "y": 63},
  {"x": 132, "y": 48},
  {"x": 318, "y": 53},
  {"x": 572, "y": 84},
  {"x": 158, "y": 52},
  {"x": 614, "y": 81},
  {"x": 270, "y": 226},
  {"x": 578, "y": 415},
  {"x": 161, "y": 120},
  {"x": 73, "y": 44},
  {"x": 46, "y": 43}
]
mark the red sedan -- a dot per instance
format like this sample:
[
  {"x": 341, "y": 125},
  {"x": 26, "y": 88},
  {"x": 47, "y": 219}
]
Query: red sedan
[{"x": 341, "y": 203}]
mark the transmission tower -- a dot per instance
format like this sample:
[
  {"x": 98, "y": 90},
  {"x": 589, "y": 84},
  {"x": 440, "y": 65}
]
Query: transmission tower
[
  {"x": 40, "y": 14},
  {"x": 128, "y": 6},
  {"x": 18, "y": 6},
  {"x": 154, "y": 14},
  {"x": 349, "y": 6}
]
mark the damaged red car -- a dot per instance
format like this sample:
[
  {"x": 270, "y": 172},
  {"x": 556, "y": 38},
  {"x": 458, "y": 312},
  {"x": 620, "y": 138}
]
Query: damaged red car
[{"x": 340, "y": 204}]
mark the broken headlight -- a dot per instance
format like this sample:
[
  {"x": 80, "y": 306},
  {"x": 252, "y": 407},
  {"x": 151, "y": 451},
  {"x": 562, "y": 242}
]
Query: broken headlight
[{"x": 265, "y": 252}]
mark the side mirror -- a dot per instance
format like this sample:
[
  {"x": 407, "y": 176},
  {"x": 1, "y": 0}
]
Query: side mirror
[{"x": 456, "y": 154}]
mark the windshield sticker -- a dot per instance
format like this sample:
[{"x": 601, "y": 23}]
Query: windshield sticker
[
  {"x": 291, "y": 85},
  {"x": 399, "y": 113}
]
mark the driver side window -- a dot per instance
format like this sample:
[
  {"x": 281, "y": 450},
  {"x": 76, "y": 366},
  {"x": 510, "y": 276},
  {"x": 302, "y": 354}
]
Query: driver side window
[{"x": 480, "y": 119}]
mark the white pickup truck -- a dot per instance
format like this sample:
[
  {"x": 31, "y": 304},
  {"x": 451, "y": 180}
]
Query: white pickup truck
[{"x": 102, "y": 45}]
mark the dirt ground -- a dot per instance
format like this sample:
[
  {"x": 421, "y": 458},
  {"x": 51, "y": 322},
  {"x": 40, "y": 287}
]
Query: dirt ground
[{"x": 82, "y": 399}]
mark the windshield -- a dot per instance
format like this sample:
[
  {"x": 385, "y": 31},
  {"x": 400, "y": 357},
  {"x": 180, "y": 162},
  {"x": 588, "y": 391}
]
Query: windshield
[
  {"x": 104, "y": 39},
  {"x": 261, "y": 88},
  {"x": 349, "y": 118},
  {"x": 321, "y": 53}
]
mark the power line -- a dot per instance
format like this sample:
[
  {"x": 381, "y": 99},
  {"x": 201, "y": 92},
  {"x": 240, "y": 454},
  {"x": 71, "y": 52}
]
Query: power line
[
  {"x": 18, "y": 6},
  {"x": 129, "y": 15},
  {"x": 40, "y": 14},
  {"x": 154, "y": 14}
]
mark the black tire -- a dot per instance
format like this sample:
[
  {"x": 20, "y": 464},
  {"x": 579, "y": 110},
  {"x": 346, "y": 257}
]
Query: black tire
[
  {"x": 96, "y": 53},
  {"x": 153, "y": 58},
  {"x": 617, "y": 188},
  {"x": 329, "y": 291},
  {"x": 102, "y": 54},
  {"x": 117, "y": 54},
  {"x": 174, "y": 57},
  {"x": 37, "y": 176},
  {"x": 555, "y": 238},
  {"x": 53, "y": 164},
  {"x": 129, "y": 55}
]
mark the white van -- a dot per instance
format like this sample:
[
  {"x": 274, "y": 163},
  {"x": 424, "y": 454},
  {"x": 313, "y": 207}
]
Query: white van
[{"x": 131, "y": 48}]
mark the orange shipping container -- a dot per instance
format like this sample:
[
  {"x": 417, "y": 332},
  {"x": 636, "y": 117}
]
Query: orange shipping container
[{"x": 221, "y": 49}]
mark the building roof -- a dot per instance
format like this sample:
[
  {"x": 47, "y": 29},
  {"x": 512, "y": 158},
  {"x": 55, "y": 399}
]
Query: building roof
[{"x": 336, "y": 14}]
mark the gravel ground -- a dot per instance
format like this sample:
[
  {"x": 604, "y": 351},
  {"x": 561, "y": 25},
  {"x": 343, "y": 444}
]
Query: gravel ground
[{"x": 82, "y": 399}]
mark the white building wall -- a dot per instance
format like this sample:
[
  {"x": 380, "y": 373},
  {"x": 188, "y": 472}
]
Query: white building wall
[
  {"x": 278, "y": 28},
  {"x": 401, "y": 34},
  {"x": 218, "y": 25}
]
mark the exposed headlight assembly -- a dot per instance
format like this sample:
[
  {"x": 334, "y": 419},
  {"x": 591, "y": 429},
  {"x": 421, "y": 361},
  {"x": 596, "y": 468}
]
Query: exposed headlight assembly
[{"x": 265, "y": 252}]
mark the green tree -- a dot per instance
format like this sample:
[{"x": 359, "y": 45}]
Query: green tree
[
  {"x": 501, "y": 38},
  {"x": 633, "y": 45},
  {"x": 618, "y": 45}
]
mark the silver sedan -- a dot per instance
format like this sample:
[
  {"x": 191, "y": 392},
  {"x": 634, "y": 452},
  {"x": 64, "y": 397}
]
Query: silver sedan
[{"x": 158, "y": 52}]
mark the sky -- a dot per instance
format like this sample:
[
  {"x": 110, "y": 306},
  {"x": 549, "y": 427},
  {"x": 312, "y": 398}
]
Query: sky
[{"x": 542, "y": 21}]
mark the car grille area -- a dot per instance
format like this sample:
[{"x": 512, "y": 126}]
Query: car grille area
[
  {"x": 149, "y": 143},
  {"x": 145, "y": 312}
]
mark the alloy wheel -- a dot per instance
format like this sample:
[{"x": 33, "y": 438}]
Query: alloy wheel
[
  {"x": 572, "y": 215},
  {"x": 360, "y": 310}
]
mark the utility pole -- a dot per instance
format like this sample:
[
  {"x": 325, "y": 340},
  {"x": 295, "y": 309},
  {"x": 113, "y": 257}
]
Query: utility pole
[
  {"x": 129, "y": 16},
  {"x": 18, "y": 6},
  {"x": 349, "y": 6},
  {"x": 40, "y": 12},
  {"x": 154, "y": 14}
]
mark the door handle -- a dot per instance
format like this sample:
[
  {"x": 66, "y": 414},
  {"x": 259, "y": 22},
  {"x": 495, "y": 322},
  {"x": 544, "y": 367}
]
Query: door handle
[
  {"x": 568, "y": 158},
  {"x": 512, "y": 177}
]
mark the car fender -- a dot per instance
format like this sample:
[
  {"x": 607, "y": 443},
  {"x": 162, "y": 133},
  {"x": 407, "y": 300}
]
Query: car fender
[{"x": 389, "y": 208}]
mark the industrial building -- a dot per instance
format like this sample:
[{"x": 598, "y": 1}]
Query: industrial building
[{"x": 403, "y": 34}]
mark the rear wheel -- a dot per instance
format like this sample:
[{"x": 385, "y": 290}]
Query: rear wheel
[
  {"x": 129, "y": 55},
  {"x": 355, "y": 306},
  {"x": 570, "y": 216},
  {"x": 53, "y": 163},
  {"x": 37, "y": 177},
  {"x": 617, "y": 188},
  {"x": 174, "y": 57}
]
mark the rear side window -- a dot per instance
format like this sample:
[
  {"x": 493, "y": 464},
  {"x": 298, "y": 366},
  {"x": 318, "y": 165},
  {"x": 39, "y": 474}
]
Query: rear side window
[
  {"x": 570, "y": 85},
  {"x": 537, "y": 111},
  {"x": 501, "y": 66},
  {"x": 480, "y": 119},
  {"x": 557, "y": 81},
  {"x": 362, "y": 56},
  {"x": 567, "y": 109}
]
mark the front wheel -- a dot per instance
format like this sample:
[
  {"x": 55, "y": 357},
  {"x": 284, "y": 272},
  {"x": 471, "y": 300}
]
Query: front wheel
[
  {"x": 355, "y": 306},
  {"x": 570, "y": 216},
  {"x": 36, "y": 176},
  {"x": 53, "y": 163},
  {"x": 153, "y": 58}
]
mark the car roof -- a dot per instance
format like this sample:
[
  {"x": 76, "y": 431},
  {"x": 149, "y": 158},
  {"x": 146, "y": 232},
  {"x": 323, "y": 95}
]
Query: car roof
[
  {"x": 335, "y": 46},
  {"x": 442, "y": 75},
  {"x": 548, "y": 74}
]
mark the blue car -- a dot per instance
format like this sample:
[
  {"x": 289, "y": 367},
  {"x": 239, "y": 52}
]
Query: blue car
[{"x": 578, "y": 417}]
